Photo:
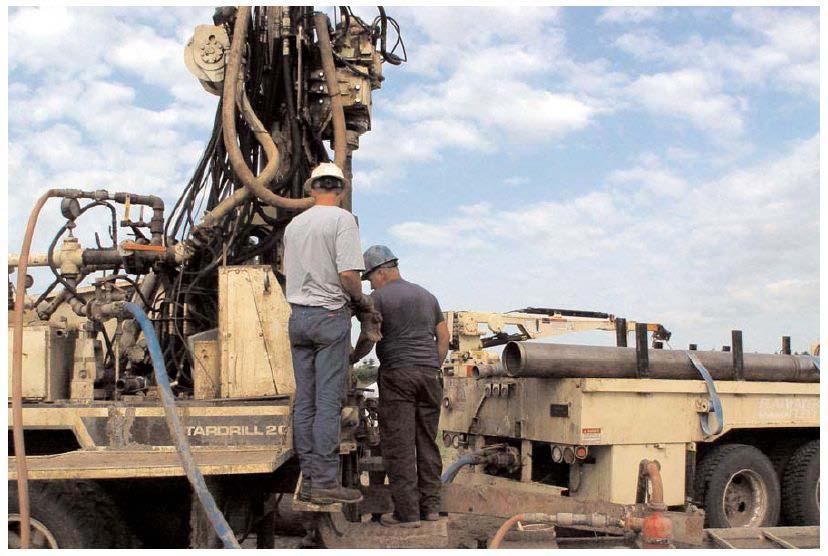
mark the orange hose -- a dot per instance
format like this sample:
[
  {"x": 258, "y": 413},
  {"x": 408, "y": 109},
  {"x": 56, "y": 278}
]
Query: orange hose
[
  {"x": 17, "y": 372},
  {"x": 653, "y": 471},
  {"x": 505, "y": 528}
]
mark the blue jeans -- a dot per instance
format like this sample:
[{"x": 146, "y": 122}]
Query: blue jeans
[{"x": 320, "y": 341}]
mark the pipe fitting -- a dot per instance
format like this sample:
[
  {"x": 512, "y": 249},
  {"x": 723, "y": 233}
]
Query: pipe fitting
[{"x": 130, "y": 384}]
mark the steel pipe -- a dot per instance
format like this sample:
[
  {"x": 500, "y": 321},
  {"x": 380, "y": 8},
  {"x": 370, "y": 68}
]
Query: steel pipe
[
  {"x": 486, "y": 369},
  {"x": 525, "y": 359}
]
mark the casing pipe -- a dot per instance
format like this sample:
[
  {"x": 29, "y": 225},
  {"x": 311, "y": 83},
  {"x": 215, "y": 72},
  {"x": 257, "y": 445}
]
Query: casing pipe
[{"x": 527, "y": 359}]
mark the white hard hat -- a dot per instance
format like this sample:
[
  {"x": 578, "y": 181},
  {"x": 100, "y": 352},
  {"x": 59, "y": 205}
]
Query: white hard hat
[{"x": 325, "y": 170}]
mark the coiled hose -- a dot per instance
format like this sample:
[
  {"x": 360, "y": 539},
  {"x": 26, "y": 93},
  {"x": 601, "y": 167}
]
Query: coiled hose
[
  {"x": 233, "y": 90},
  {"x": 194, "y": 475}
]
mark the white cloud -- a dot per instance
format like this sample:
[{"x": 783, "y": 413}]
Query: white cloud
[
  {"x": 100, "y": 98},
  {"x": 780, "y": 49},
  {"x": 690, "y": 94},
  {"x": 652, "y": 179},
  {"x": 482, "y": 71},
  {"x": 628, "y": 14},
  {"x": 740, "y": 251}
]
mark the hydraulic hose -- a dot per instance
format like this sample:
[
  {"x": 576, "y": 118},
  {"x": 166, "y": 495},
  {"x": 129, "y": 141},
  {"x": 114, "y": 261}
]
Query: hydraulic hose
[
  {"x": 17, "y": 370},
  {"x": 453, "y": 469},
  {"x": 320, "y": 21},
  {"x": 233, "y": 85},
  {"x": 194, "y": 475},
  {"x": 340, "y": 142},
  {"x": 564, "y": 519}
]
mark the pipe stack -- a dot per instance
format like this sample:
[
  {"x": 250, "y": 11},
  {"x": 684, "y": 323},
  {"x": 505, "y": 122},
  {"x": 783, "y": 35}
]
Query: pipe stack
[{"x": 524, "y": 359}]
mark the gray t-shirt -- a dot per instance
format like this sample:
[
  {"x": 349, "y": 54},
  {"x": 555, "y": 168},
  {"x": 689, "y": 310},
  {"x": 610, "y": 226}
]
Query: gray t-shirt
[
  {"x": 410, "y": 315},
  {"x": 319, "y": 244}
]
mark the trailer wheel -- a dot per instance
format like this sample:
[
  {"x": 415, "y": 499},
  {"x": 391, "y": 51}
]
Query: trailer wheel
[
  {"x": 800, "y": 486},
  {"x": 738, "y": 487},
  {"x": 781, "y": 452},
  {"x": 68, "y": 514}
]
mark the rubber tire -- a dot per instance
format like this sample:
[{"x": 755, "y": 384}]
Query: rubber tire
[
  {"x": 780, "y": 453},
  {"x": 79, "y": 514},
  {"x": 714, "y": 471},
  {"x": 801, "y": 475}
]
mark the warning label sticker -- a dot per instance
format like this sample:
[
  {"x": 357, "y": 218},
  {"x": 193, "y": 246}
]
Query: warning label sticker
[{"x": 591, "y": 434}]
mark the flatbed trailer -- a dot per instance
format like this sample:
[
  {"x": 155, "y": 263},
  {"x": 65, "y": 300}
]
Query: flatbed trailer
[{"x": 585, "y": 434}]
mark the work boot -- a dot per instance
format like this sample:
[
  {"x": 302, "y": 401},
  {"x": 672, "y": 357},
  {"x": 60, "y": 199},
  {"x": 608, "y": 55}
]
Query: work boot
[
  {"x": 390, "y": 520},
  {"x": 305, "y": 491},
  {"x": 335, "y": 494},
  {"x": 430, "y": 516}
]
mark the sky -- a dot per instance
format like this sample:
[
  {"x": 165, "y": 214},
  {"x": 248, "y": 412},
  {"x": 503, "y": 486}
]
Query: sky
[{"x": 657, "y": 164}]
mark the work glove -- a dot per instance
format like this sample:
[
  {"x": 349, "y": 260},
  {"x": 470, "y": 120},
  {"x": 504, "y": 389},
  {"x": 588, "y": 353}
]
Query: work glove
[{"x": 369, "y": 318}]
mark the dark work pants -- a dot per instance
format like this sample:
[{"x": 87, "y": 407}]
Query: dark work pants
[
  {"x": 320, "y": 341},
  {"x": 409, "y": 412}
]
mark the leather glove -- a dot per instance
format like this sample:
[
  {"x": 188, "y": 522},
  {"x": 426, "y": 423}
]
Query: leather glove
[
  {"x": 362, "y": 304},
  {"x": 369, "y": 318},
  {"x": 371, "y": 325}
]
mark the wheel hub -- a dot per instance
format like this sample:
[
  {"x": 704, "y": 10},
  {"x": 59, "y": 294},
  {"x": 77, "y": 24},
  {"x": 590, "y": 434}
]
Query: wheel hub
[{"x": 745, "y": 499}]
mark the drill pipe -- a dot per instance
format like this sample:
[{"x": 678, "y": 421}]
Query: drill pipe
[{"x": 523, "y": 359}]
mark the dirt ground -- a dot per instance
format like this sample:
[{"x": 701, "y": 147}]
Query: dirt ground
[{"x": 465, "y": 531}]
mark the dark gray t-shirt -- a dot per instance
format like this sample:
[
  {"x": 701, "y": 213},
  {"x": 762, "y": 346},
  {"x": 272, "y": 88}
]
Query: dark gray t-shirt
[{"x": 410, "y": 315}]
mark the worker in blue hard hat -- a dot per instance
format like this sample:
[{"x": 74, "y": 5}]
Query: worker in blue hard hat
[{"x": 414, "y": 344}]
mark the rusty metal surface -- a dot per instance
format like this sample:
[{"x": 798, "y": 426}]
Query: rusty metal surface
[
  {"x": 92, "y": 464},
  {"x": 763, "y": 537},
  {"x": 494, "y": 496},
  {"x": 573, "y": 411},
  {"x": 141, "y": 426},
  {"x": 48, "y": 351}
]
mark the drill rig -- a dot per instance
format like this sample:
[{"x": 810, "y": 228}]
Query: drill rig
[
  {"x": 208, "y": 275},
  {"x": 106, "y": 466}
]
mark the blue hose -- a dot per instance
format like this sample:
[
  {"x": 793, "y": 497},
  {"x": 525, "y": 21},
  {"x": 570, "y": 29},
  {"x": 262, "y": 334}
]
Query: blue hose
[
  {"x": 194, "y": 475},
  {"x": 450, "y": 473}
]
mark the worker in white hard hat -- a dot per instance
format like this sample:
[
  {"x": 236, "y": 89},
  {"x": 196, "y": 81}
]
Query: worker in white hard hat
[
  {"x": 322, "y": 269},
  {"x": 414, "y": 343}
]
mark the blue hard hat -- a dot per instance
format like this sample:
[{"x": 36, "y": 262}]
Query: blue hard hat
[{"x": 374, "y": 256}]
